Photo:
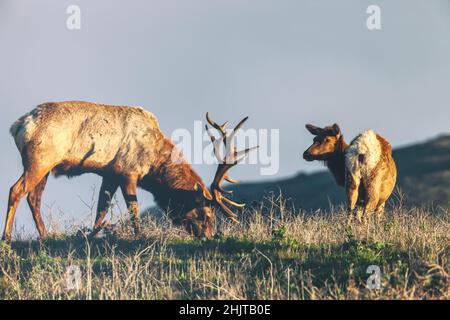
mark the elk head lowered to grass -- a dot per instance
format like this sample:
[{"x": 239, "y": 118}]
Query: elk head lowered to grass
[
  {"x": 365, "y": 167},
  {"x": 125, "y": 146}
]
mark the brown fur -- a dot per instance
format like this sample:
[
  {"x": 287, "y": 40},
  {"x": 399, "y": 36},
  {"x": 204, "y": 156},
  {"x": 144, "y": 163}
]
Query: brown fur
[
  {"x": 369, "y": 187},
  {"x": 123, "y": 145}
]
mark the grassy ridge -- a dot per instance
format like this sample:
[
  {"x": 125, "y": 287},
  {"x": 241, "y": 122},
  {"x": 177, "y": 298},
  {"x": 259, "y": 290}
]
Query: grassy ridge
[{"x": 274, "y": 253}]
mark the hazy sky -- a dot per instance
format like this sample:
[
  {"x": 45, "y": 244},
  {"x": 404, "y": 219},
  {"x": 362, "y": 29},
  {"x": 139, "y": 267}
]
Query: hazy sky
[{"x": 283, "y": 63}]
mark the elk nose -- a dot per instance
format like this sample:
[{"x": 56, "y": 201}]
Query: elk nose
[{"x": 307, "y": 156}]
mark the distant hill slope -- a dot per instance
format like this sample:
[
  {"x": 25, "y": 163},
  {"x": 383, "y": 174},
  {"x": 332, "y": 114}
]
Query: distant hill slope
[{"x": 423, "y": 176}]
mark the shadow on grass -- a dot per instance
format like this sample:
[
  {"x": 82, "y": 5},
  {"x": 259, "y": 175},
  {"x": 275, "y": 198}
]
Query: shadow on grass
[{"x": 323, "y": 261}]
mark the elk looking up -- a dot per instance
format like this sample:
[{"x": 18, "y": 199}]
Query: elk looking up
[
  {"x": 365, "y": 167},
  {"x": 125, "y": 146}
]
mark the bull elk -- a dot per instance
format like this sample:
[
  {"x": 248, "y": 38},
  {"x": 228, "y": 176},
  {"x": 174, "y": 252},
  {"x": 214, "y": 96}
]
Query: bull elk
[
  {"x": 365, "y": 167},
  {"x": 125, "y": 146}
]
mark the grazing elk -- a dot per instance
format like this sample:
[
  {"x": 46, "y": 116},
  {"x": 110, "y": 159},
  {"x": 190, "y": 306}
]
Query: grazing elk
[
  {"x": 365, "y": 167},
  {"x": 125, "y": 146}
]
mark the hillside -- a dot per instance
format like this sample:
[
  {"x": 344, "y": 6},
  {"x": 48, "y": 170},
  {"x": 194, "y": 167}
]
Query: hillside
[{"x": 423, "y": 177}]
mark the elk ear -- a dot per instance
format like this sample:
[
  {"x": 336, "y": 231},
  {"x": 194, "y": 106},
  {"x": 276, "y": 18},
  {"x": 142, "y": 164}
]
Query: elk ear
[
  {"x": 336, "y": 129},
  {"x": 313, "y": 129}
]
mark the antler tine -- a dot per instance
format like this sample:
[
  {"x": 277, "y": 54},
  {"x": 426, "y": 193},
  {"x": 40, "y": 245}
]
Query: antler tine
[
  {"x": 216, "y": 126},
  {"x": 227, "y": 178},
  {"x": 210, "y": 134},
  {"x": 230, "y": 214},
  {"x": 221, "y": 189},
  {"x": 216, "y": 144},
  {"x": 238, "y": 126},
  {"x": 231, "y": 202},
  {"x": 238, "y": 156},
  {"x": 220, "y": 199}
]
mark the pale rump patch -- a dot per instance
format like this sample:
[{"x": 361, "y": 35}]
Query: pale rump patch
[
  {"x": 363, "y": 154},
  {"x": 23, "y": 128}
]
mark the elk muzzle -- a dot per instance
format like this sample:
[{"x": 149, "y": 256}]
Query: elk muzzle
[
  {"x": 200, "y": 222},
  {"x": 308, "y": 156}
]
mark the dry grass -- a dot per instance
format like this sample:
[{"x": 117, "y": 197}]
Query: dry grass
[{"x": 274, "y": 253}]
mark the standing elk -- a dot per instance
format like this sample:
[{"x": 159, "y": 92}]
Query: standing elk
[
  {"x": 125, "y": 146},
  {"x": 365, "y": 167}
]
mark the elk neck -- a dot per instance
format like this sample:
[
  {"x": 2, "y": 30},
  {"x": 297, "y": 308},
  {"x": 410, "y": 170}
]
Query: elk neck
[
  {"x": 336, "y": 162},
  {"x": 171, "y": 179}
]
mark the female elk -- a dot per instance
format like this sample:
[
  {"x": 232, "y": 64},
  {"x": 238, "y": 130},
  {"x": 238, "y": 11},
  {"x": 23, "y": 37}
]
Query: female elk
[
  {"x": 365, "y": 167},
  {"x": 125, "y": 146}
]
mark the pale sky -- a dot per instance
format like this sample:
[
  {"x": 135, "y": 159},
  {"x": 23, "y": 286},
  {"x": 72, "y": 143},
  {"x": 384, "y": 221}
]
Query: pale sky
[{"x": 283, "y": 63}]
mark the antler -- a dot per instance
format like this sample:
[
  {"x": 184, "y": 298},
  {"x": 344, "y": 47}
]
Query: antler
[{"x": 225, "y": 163}]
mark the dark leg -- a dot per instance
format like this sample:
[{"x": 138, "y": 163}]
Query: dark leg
[
  {"x": 129, "y": 190},
  {"x": 34, "y": 201},
  {"x": 107, "y": 190}
]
